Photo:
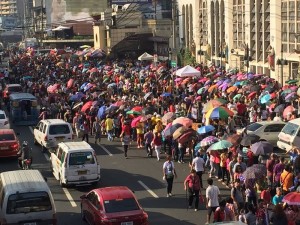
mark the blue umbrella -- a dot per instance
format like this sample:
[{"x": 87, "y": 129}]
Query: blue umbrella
[
  {"x": 237, "y": 83},
  {"x": 264, "y": 99},
  {"x": 205, "y": 129},
  {"x": 77, "y": 96},
  {"x": 111, "y": 85},
  {"x": 87, "y": 87},
  {"x": 101, "y": 112},
  {"x": 83, "y": 85},
  {"x": 166, "y": 94},
  {"x": 170, "y": 130}
]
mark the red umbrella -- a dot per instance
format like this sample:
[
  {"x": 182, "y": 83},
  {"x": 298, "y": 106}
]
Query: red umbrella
[
  {"x": 70, "y": 83},
  {"x": 135, "y": 121},
  {"x": 93, "y": 70},
  {"x": 292, "y": 198},
  {"x": 86, "y": 106},
  {"x": 187, "y": 136},
  {"x": 53, "y": 88},
  {"x": 137, "y": 108},
  {"x": 252, "y": 94}
]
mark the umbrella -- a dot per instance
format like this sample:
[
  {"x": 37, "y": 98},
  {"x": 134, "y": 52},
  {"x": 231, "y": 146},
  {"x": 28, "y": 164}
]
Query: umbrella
[
  {"x": 202, "y": 90},
  {"x": 178, "y": 132},
  {"x": 168, "y": 131},
  {"x": 135, "y": 121},
  {"x": 249, "y": 139},
  {"x": 137, "y": 108},
  {"x": 237, "y": 97},
  {"x": 231, "y": 89},
  {"x": 83, "y": 85},
  {"x": 184, "y": 121},
  {"x": 292, "y": 198},
  {"x": 252, "y": 94},
  {"x": 78, "y": 96},
  {"x": 205, "y": 129},
  {"x": 147, "y": 95},
  {"x": 217, "y": 102},
  {"x": 111, "y": 85},
  {"x": 208, "y": 141},
  {"x": 235, "y": 139},
  {"x": 131, "y": 112},
  {"x": 77, "y": 105},
  {"x": 212, "y": 88},
  {"x": 261, "y": 148},
  {"x": 70, "y": 83},
  {"x": 290, "y": 96},
  {"x": 166, "y": 94},
  {"x": 187, "y": 136},
  {"x": 256, "y": 171},
  {"x": 101, "y": 112},
  {"x": 111, "y": 109},
  {"x": 265, "y": 99},
  {"x": 167, "y": 117},
  {"x": 219, "y": 113},
  {"x": 291, "y": 81},
  {"x": 86, "y": 106},
  {"x": 286, "y": 91},
  {"x": 279, "y": 108},
  {"x": 288, "y": 110},
  {"x": 223, "y": 144}
]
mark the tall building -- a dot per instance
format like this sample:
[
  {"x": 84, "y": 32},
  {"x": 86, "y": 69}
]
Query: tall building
[
  {"x": 240, "y": 34},
  {"x": 8, "y": 8}
]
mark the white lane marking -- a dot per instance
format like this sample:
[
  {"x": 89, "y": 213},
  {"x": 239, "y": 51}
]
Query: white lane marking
[
  {"x": 69, "y": 197},
  {"x": 45, "y": 154},
  {"x": 105, "y": 149},
  {"x": 147, "y": 189}
]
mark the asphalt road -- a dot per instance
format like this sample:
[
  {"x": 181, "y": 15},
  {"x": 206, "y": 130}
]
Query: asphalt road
[{"x": 141, "y": 174}]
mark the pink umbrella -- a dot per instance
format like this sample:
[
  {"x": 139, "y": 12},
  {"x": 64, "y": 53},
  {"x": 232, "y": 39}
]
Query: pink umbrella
[
  {"x": 135, "y": 121},
  {"x": 53, "y": 88},
  {"x": 294, "y": 88},
  {"x": 184, "y": 121},
  {"x": 288, "y": 110},
  {"x": 118, "y": 103},
  {"x": 202, "y": 80},
  {"x": 70, "y": 83},
  {"x": 93, "y": 70}
]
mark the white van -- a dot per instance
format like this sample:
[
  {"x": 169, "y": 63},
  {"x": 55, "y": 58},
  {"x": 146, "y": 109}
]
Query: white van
[
  {"x": 48, "y": 133},
  {"x": 289, "y": 135},
  {"x": 75, "y": 163},
  {"x": 25, "y": 198}
]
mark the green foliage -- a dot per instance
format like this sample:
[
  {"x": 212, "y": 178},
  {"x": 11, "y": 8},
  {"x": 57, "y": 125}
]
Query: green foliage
[{"x": 188, "y": 58}]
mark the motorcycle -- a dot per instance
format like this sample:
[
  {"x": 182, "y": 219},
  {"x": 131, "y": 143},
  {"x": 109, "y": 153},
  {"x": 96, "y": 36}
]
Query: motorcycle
[{"x": 26, "y": 164}]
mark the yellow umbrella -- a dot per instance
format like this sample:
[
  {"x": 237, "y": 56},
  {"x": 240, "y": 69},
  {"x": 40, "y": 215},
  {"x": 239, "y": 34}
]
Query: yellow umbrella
[{"x": 179, "y": 132}]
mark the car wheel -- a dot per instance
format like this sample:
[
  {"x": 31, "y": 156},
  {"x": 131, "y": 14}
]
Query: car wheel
[{"x": 82, "y": 213}]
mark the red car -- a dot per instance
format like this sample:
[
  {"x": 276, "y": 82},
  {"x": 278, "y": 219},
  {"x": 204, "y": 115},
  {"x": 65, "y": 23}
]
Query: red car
[
  {"x": 9, "y": 143},
  {"x": 112, "y": 206}
]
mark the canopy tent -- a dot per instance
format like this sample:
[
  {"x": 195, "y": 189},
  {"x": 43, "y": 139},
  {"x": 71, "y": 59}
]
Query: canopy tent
[
  {"x": 145, "y": 56},
  {"x": 187, "y": 71},
  {"x": 60, "y": 28}
]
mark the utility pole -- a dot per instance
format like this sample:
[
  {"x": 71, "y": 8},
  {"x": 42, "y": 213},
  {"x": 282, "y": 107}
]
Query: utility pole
[
  {"x": 174, "y": 29},
  {"x": 42, "y": 36}
]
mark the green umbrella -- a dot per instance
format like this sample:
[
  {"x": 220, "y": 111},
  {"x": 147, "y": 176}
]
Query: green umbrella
[
  {"x": 238, "y": 96},
  {"x": 223, "y": 144},
  {"x": 286, "y": 91},
  {"x": 291, "y": 81},
  {"x": 133, "y": 112},
  {"x": 244, "y": 82},
  {"x": 201, "y": 90}
]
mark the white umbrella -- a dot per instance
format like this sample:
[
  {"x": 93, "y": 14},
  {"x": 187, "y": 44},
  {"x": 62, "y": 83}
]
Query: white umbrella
[
  {"x": 187, "y": 71},
  {"x": 60, "y": 28},
  {"x": 145, "y": 56}
]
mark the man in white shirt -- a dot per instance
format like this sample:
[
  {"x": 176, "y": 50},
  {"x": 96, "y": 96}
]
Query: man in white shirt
[
  {"x": 277, "y": 118},
  {"x": 198, "y": 165},
  {"x": 212, "y": 198}
]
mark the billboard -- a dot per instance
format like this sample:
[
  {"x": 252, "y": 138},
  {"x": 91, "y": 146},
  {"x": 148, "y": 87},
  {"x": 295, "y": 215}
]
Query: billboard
[{"x": 59, "y": 11}]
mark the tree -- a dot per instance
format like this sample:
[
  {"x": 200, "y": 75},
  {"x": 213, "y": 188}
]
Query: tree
[{"x": 188, "y": 58}]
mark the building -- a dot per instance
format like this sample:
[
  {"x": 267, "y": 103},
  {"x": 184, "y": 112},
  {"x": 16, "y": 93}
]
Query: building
[
  {"x": 239, "y": 34},
  {"x": 8, "y": 8}
]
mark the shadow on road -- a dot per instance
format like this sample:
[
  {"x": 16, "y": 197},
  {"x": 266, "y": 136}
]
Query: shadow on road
[{"x": 160, "y": 218}]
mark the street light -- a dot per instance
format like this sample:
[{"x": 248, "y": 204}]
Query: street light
[{"x": 282, "y": 62}]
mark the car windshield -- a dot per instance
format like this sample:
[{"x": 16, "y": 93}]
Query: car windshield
[
  {"x": 120, "y": 205},
  {"x": 290, "y": 128},
  {"x": 2, "y": 116},
  {"x": 15, "y": 89},
  {"x": 81, "y": 158},
  {"x": 59, "y": 129},
  {"x": 7, "y": 137},
  {"x": 254, "y": 126},
  {"x": 28, "y": 202}
]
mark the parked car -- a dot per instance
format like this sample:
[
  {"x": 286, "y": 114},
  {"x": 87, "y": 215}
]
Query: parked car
[
  {"x": 9, "y": 143},
  {"x": 112, "y": 206},
  {"x": 267, "y": 130},
  {"x": 4, "y": 123}
]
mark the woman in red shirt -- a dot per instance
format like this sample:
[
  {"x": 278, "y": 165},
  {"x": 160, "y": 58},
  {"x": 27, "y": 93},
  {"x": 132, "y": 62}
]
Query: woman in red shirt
[{"x": 192, "y": 185}]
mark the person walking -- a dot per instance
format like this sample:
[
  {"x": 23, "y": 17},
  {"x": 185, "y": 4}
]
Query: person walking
[
  {"x": 109, "y": 126},
  {"x": 97, "y": 130},
  {"x": 140, "y": 134},
  {"x": 237, "y": 195},
  {"x": 148, "y": 137},
  {"x": 156, "y": 143},
  {"x": 212, "y": 198},
  {"x": 125, "y": 139},
  {"x": 198, "y": 164},
  {"x": 192, "y": 186},
  {"x": 85, "y": 130},
  {"x": 169, "y": 173}
]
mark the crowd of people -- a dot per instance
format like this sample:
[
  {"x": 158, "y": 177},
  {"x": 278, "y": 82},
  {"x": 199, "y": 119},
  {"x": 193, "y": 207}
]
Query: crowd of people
[{"x": 189, "y": 120}]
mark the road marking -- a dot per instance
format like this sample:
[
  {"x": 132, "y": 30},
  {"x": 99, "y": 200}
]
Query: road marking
[
  {"x": 45, "y": 154},
  {"x": 147, "y": 189},
  {"x": 69, "y": 197},
  {"x": 105, "y": 149}
]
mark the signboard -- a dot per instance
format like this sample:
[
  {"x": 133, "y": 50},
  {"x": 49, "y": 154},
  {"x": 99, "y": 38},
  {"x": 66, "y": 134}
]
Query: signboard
[
  {"x": 173, "y": 63},
  {"x": 123, "y": 2}
]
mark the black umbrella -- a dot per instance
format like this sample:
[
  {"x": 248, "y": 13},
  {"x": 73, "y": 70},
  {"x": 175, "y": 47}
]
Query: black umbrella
[
  {"x": 149, "y": 110},
  {"x": 170, "y": 130},
  {"x": 279, "y": 108},
  {"x": 249, "y": 139}
]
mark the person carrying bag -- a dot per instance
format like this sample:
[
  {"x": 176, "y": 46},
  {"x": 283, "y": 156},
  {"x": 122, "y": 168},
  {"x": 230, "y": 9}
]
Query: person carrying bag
[{"x": 192, "y": 185}]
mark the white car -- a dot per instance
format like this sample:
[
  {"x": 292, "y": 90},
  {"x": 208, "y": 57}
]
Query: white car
[
  {"x": 267, "y": 130},
  {"x": 4, "y": 122}
]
